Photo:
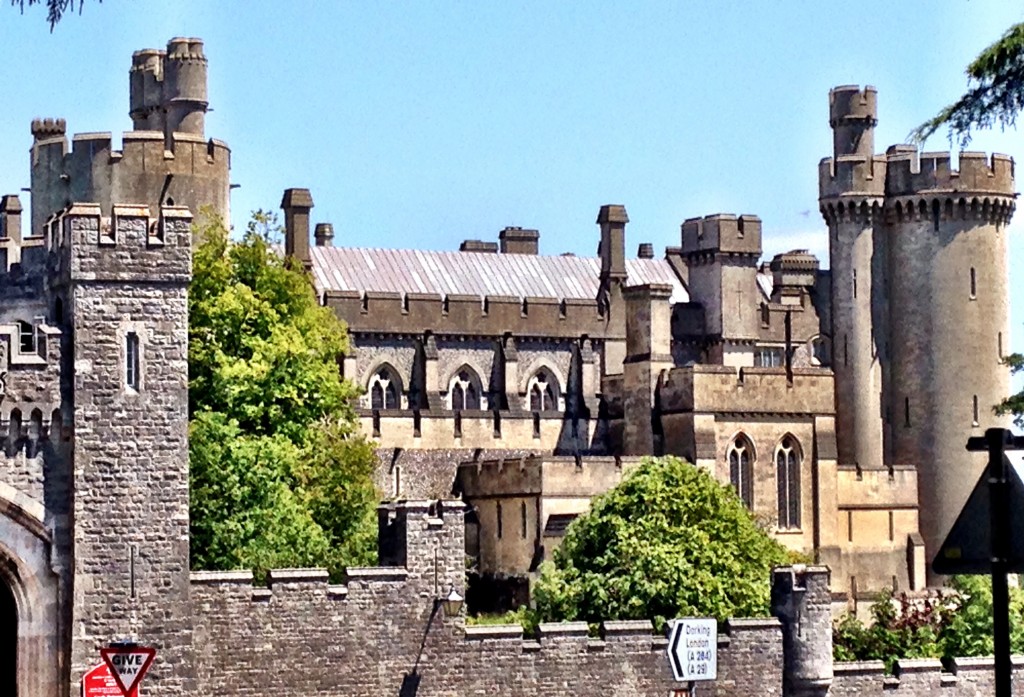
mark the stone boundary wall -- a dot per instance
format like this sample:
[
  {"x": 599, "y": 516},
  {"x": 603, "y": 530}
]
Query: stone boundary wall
[
  {"x": 972, "y": 677},
  {"x": 303, "y": 637}
]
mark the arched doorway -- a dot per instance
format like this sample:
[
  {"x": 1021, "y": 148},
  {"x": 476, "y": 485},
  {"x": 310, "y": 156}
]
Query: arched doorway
[{"x": 8, "y": 641}]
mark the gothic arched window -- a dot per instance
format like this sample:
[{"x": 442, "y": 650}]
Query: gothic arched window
[
  {"x": 464, "y": 390},
  {"x": 787, "y": 474},
  {"x": 384, "y": 389},
  {"x": 543, "y": 392},
  {"x": 741, "y": 469}
]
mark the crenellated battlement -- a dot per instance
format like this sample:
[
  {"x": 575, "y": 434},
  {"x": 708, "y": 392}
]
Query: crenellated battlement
[
  {"x": 490, "y": 315},
  {"x": 858, "y": 177},
  {"x": 720, "y": 388},
  {"x": 721, "y": 233},
  {"x": 911, "y": 174},
  {"x": 542, "y": 474},
  {"x": 190, "y": 171}
]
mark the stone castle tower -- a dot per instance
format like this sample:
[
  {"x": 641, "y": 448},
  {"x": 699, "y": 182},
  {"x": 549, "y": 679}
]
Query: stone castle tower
[
  {"x": 919, "y": 301},
  {"x": 94, "y": 527}
]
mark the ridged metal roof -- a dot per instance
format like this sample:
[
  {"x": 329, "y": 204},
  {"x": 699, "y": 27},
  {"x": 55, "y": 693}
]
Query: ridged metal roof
[{"x": 475, "y": 273}]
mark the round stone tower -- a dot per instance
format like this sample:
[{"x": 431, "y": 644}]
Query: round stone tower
[
  {"x": 851, "y": 196},
  {"x": 949, "y": 310},
  {"x": 166, "y": 160},
  {"x": 185, "y": 99}
]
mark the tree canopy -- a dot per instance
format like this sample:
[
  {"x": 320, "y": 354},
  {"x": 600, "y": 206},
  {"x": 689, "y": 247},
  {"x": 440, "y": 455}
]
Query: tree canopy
[
  {"x": 55, "y": 9},
  {"x": 668, "y": 541},
  {"x": 995, "y": 92},
  {"x": 278, "y": 475}
]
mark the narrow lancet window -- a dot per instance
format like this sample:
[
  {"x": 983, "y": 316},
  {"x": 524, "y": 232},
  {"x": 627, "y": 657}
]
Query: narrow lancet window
[{"x": 132, "y": 366}]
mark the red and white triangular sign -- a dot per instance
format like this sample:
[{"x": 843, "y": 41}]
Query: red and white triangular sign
[{"x": 128, "y": 663}]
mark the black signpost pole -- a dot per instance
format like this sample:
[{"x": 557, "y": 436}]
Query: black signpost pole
[{"x": 999, "y": 491}]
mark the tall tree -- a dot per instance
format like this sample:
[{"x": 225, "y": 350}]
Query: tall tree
[
  {"x": 668, "y": 541},
  {"x": 279, "y": 474}
]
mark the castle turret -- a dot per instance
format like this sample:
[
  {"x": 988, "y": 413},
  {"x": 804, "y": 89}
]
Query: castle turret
[
  {"x": 851, "y": 195},
  {"x": 802, "y": 602},
  {"x": 165, "y": 160},
  {"x": 146, "y": 98},
  {"x": 721, "y": 253},
  {"x": 949, "y": 308},
  {"x": 184, "y": 92}
]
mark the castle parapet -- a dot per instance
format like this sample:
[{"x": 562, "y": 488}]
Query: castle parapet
[
  {"x": 910, "y": 174},
  {"x": 717, "y": 388}
]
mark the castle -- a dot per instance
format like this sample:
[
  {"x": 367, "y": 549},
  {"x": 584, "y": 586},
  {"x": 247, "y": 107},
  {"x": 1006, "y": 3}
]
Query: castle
[{"x": 836, "y": 402}]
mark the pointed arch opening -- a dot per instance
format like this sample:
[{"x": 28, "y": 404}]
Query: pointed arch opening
[
  {"x": 385, "y": 388},
  {"x": 465, "y": 390},
  {"x": 788, "y": 458},
  {"x": 542, "y": 391},
  {"x": 741, "y": 468}
]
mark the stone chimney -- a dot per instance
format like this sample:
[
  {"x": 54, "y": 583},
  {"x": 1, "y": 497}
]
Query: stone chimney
[
  {"x": 645, "y": 251},
  {"x": 612, "y": 220},
  {"x": 479, "y": 246},
  {"x": 648, "y": 353},
  {"x": 516, "y": 240},
  {"x": 296, "y": 204},
  {"x": 324, "y": 235}
]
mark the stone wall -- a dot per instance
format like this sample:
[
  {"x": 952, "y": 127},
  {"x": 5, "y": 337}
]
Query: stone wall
[{"x": 374, "y": 635}]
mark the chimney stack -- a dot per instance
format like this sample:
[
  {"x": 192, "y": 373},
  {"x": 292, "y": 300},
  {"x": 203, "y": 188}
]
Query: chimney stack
[
  {"x": 296, "y": 204},
  {"x": 324, "y": 235},
  {"x": 516, "y": 240}
]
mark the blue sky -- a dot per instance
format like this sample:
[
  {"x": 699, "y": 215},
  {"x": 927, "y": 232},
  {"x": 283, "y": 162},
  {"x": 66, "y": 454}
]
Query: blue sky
[{"x": 420, "y": 124}]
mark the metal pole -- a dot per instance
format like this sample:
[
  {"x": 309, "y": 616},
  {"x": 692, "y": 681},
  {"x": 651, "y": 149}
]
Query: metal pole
[{"x": 999, "y": 513}]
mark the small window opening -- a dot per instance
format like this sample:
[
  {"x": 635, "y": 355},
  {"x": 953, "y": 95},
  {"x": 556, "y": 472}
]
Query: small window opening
[
  {"x": 397, "y": 482},
  {"x": 526, "y": 308},
  {"x": 849, "y": 526},
  {"x": 364, "y": 303},
  {"x": 131, "y": 361},
  {"x": 497, "y": 424},
  {"x": 974, "y": 283},
  {"x": 846, "y": 350},
  {"x": 499, "y": 520},
  {"x": 458, "y": 425},
  {"x": 975, "y": 405},
  {"x": 892, "y": 526},
  {"x": 444, "y": 306},
  {"x": 906, "y": 412},
  {"x": 417, "y": 424},
  {"x": 27, "y": 336},
  {"x": 536, "y": 424},
  {"x": 522, "y": 509},
  {"x": 855, "y": 283},
  {"x": 561, "y": 310},
  {"x": 405, "y": 303}
]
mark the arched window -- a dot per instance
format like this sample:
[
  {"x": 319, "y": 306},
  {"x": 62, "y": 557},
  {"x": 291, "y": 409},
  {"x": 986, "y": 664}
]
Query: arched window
[
  {"x": 741, "y": 469},
  {"x": 787, "y": 474},
  {"x": 384, "y": 389},
  {"x": 464, "y": 390},
  {"x": 542, "y": 392}
]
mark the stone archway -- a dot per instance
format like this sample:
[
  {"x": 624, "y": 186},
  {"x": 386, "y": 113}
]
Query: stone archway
[
  {"x": 8, "y": 641},
  {"x": 29, "y": 601}
]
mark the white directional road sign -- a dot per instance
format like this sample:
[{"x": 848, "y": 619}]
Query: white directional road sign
[{"x": 693, "y": 649}]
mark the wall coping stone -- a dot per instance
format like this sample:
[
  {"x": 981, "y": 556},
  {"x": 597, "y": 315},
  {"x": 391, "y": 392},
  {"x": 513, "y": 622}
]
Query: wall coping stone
[
  {"x": 858, "y": 667},
  {"x": 211, "y": 577},
  {"x": 374, "y": 573},
  {"x": 751, "y": 624},
  {"x": 564, "y": 629},
  {"x": 494, "y": 631},
  {"x": 628, "y": 628},
  {"x": 297, "y": 575}
]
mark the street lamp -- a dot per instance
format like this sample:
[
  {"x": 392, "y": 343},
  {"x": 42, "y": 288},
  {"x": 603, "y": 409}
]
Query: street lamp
[{"x": 452, "y": 604}]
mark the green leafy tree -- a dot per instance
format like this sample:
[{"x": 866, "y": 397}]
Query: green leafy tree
[
  {"x": 279, "y": 476},
  {"x": 994, "y": 97},
  {"x": 668, "y": 541}
]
